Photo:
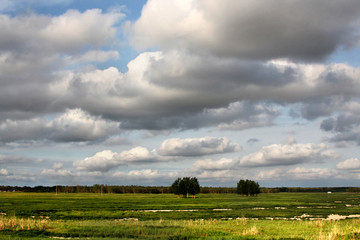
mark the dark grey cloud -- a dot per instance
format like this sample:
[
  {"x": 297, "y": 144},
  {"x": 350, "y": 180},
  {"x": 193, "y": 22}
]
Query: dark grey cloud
[
  {"x": 231, "y": 81},
  {"x": 298, "y": 29},
  {"x": 72, "y": 126},
  {"x": 236, "y": 116},
  {"x": 17, "y": 160},
  {"x": 33, "y": 53},
  {"x": 342, "y": 123},
  {"x": 253, "y": 140}
]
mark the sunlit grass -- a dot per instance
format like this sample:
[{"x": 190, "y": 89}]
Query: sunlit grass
[
  {"x": 15, "y": 223},
  {"x": 217, "y": 216},
  {"x": 180, "y": 229}
]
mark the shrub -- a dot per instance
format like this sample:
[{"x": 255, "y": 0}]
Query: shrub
[
  {"x": 186, "y": 186},
  {"x": 248, "y": 187}
]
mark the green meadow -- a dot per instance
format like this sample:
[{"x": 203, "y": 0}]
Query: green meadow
[{"x": 165, "y": 216}]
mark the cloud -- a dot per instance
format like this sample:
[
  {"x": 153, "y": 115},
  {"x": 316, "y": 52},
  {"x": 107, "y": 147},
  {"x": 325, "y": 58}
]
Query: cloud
[
  {"x": 221, "y": 176},
  {"x": 4, "y": 172},
  {"x": 105, "y": 160},
  {"x": 72, "y": 29},
  {"x": 102, "y": 161},
  {"x": 92, "y": 56},
  {"x": 77, "y": 125},
  {"x": 178, "y": 89},
  {"x": 33, "y": 53},
  {"x": 253, "y": 140},
  {"x": 298, "y": 173},
  {"x": 51, "y": 173},
  {"x": 170, "y": 150},
  {"x": 116, "y": 141},
  {"x": 146, "y": 173},
  {"x": 191, "y": 147},
  {"x": 236, "y": 116},
  {"x": 248, "y": 31},
  {"x": 349, "y": 164},
  {"x": 345, "y": 125},
  {"x": 58, "y": 166},
  {"x": 288, "y": 154},
  {"x": 73, "y": 125},
  {"x": 7, "y": 159},
  {"x": 312, "y": 173},
  {"x": 211, "y": 165}
]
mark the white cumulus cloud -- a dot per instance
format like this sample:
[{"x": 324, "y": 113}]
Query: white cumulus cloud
[
  {"x": 288, "y": 154},
  {"x": 197, "y": 146},
  {"x": 349, "y": 164},
  {"x": 105, "y": 160}
]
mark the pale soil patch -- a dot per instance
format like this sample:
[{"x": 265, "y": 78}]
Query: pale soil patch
[
  {"x": 183, "y": 210},
  {"x": 127, "y": 219},
  {"x": 169, "y": 210},
  {"x": 340, "y": 217}
]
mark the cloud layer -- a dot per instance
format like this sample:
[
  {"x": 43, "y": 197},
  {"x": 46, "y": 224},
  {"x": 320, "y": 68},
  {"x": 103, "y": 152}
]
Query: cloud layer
[
  {"x": 248, "y": 30},
  {"x": 194, "y": 68}
]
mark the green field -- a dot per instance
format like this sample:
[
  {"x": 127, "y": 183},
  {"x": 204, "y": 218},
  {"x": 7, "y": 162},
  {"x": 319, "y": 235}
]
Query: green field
[{"x": 165, "y": 216}]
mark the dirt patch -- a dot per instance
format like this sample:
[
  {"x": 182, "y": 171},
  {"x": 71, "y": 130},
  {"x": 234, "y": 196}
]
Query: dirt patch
[
  {"x": 170, "y": 210},
  {"x": 336, "y": 217}
]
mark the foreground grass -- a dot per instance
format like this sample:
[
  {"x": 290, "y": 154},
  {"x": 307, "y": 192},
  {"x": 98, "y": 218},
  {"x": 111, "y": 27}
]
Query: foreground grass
[
  {"x": 184, "y": 229},
  {"x": 164, "y": 216}
]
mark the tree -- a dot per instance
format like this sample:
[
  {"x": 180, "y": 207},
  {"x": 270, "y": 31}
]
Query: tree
[
  {"x": 248, "y": 187},
  {"x": 186, "y": 186},
  {"x": 175, "y": 187}
]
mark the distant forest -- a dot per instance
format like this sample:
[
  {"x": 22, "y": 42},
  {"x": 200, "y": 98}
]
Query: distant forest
[{"x": 97, "y": 188}]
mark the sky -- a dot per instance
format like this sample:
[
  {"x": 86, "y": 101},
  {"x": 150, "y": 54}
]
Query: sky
[{"x": 136, "y": 92}]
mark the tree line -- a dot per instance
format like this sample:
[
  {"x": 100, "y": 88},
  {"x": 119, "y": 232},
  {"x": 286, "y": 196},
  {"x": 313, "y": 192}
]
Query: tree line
[{"x": 121, "y": 189}]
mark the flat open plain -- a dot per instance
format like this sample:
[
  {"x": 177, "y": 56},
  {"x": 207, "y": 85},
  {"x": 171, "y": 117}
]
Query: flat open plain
[{"x": 165, "y": 216}]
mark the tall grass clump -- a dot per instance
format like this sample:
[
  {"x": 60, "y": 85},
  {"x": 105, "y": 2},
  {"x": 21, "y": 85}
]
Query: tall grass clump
[
  {"x": 15, "y": 223},
  {"x": 251, "y": 231}
]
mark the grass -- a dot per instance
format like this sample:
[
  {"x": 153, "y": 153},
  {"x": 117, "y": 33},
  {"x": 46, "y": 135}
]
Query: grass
[
  {"x": 213, "y": 216},
  {"x": 191, "y": 229}
]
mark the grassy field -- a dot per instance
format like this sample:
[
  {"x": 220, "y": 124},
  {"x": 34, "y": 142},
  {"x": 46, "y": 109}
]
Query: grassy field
[{"x": 164, "y": 216}]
